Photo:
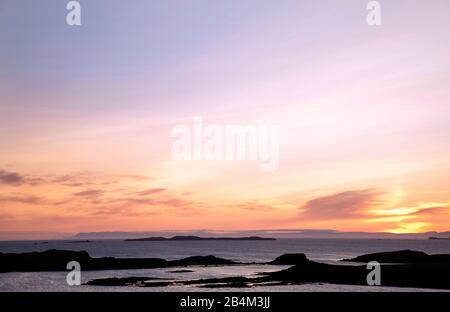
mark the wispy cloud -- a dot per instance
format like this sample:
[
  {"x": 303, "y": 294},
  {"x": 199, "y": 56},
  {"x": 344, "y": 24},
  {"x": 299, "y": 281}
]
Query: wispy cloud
[
  {"x": 20, "y": 198},
  {"x": 12, "y": 178},
  {"x": 255, "y": 205},
  {"x": 89, "y": 193},
  {"x": 150, "y": 191},
  {"x": 432, "y": 211},
  {"x": 349, "y": 204}
]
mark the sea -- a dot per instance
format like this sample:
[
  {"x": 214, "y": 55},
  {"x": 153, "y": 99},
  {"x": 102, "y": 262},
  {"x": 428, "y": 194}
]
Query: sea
[{"x": 321, "y": 250}]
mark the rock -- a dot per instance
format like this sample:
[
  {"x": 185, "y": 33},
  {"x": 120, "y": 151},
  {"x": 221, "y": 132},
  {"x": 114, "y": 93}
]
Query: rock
[
  {"x": 314, "y": 272},
  {"x": 226, "y": 285},
  {"x": 123, "y": 281},
  {"x": 290, "y": 259},
  {"x": 421, "y": 270},
  {"x": 233, "y": 281},
  {"x": 202, "y": 260},
  {"x": 420, "y": 275},
  {"x": 180, "y": 271},
  {"x": 196, "y": 238},
  {"x": 56, "y": 260},
  {"x": 401, "y": 256},
  {"x": 50, "y": 260}
]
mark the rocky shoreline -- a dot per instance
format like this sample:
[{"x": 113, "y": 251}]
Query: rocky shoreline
[
  {"x": 56, "y": 260},
  {"x": 405, "y": 268}
]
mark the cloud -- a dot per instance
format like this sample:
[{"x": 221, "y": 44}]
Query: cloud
[
  {"x": 84, "y": 178},
  {"x": 134, "y": 177},
  {"x": 144, "y": 202},
  {"x": 11, "y": 178},
  {"x": 20, "y": 198},
  {"x": 98, "y": 193},
  {"x": 167, "y": 201},
  {"x": 70, "y": 180},
  {"x": 121, "y": 210},
  {"x": 89, "y": 193},
  {"x": 76, "y": 179},
  {"x": 432, "y": 211},
  {"x": 255, "y": 205},
  {"x": 150, "y": 191},
  {"x": 349, "y": 204}
]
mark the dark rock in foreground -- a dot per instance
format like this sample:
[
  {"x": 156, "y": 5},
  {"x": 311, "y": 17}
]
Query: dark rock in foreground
[
  {"x": 123, "y": 281},
  {"x": 416, "y": 269},
  {"x": 57, "y": 260},
  {"x": 180, "y": 271},
  {"x": 234, "y": 281},
  {"x": 432, "y": 276},
  {"x": 405, "y": 268},
  {"x": 401, "y": 256},
  {"x": 422, "y": 275},
  {"x": 196, "y": 238},
  {"x": 434, "y": 273},
  {"x": 50, "y": 260},
  {"x": 290, "y": 259}
]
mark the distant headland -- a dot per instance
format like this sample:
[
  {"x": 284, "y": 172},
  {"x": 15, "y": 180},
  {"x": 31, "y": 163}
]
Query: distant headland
[
  {"x": 277, "y": 234},
  {"x": 197, "y": 238}
]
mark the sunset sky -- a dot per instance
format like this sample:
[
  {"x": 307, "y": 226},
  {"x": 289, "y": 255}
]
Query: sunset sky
[{"x": 86, "y": 114}]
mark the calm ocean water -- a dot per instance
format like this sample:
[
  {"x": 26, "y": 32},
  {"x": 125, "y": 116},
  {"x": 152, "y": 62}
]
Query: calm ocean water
[{"x": 324, "y": 250}]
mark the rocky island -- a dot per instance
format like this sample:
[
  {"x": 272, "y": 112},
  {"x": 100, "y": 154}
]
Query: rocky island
[{"x": 197, "y": 238}]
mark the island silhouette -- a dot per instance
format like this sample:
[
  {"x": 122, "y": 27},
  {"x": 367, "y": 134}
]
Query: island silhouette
[{"x": 196, "y": 238}]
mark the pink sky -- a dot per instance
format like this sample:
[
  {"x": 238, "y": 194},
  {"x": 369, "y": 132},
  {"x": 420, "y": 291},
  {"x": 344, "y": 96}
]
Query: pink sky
[{"x": 86, "y": 115}]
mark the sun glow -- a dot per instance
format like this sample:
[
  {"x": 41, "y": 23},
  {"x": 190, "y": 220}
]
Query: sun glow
[{"x": 416, "y": 227}]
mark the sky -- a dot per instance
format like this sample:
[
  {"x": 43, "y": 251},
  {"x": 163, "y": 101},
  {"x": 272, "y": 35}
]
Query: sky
[{"x": 86, "y": 114}]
